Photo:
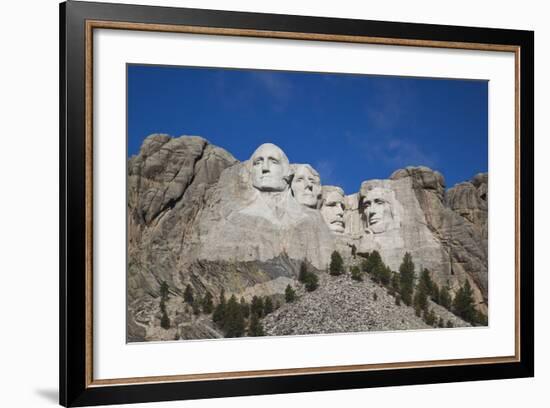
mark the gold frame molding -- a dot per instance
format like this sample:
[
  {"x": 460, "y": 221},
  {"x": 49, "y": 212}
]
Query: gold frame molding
[{"x": 99, "y": 24}]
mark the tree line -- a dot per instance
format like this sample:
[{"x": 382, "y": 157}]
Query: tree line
[
  {"x": 239, "y": 318},
  {"x": 413, "y": 291}
]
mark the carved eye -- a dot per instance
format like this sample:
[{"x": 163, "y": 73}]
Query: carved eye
[
  {"x": 258, "y": 161},
  {"x": 300, "y": 179},
  {"x": 379, "y": 201},
  {"x": 274, "y": 161},
  {"x": 367, "y": 203}
]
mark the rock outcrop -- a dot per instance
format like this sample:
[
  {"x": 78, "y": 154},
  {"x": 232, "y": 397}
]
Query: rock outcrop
[
  {"x": 167, "y": 184},
  {"x": 199, "y": 217},
  {"x": 464, "y": 244},
  {"x": 470, "y": 200}
]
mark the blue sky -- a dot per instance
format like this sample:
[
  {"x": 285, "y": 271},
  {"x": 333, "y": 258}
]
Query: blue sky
[{"x": 349, "y": 127}]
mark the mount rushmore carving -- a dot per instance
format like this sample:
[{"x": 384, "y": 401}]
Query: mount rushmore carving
[{"x": 199, "y": 217}]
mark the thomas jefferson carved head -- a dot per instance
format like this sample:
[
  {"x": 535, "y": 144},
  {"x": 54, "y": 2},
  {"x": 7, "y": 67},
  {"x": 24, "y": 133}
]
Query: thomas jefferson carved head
[
  {"x": 270, "y": 168},
  {"x": 332, "y": 209},
  {"x": 306, "y": 185},
  {"x": 376, "y": 207}
]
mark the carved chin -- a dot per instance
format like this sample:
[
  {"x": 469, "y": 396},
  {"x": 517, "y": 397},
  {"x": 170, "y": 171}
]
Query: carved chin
[
  {"x": 336, "y": 227},
  {"x": 377, "y": 228},
  {"x": 309, "y": 201},
  {"x": 267, "y": 184}
]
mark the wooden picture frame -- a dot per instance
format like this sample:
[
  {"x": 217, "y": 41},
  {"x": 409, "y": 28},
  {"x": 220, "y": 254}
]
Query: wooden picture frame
[{"x": 78, "y": 387}]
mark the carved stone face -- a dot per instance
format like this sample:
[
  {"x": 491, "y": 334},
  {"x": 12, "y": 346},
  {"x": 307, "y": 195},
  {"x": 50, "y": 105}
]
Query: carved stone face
[
  {"x": 333, "y": 209},
  {"x": 306, "y": 185},
  {"x": 270, "y": 168},
  {"x": 377, "y": 210}
]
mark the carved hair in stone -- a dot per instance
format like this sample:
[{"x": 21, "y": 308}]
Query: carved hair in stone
[
  {"x": 376, "y": 207},
  {"x": 332, "y": 208},
  {"x": 306, "y": 185},
  {"x": 270, "y": 168}
]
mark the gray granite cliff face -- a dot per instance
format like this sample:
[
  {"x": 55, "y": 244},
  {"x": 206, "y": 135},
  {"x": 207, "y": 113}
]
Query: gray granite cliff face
[
  {"x": 464, "y": 241},
  {"x": 445, "y": 232},
  {"x": 470, "y": 199},
  {"x": 199, "y": 217},
  {"x": 167, "y": 185}
]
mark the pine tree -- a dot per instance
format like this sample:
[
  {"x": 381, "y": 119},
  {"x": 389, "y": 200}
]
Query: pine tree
[
  {"x": 380, "y": 273},
  {"x": 420, "y": 300},
  {"x": 425, "y": 281},
  {"x": 311, "y": 282},
  {"x": 385, "y": 275},
  {"x": 364, "y": 266},
  {"x": 233, "y": 322},
  {"x": 423, "y": 290},
  {"x": 207, "y": 303},
  {"x": 430, "y": 287},
  {"x": 245, "y": 307},
  {"x": 164, "y": 290},
  {"x": 374, "y": 296},
  {"x": 255, "y": 328},
  {"x": 372, "y": 263},
  {"x": 450, "y": 324},
  {"x": 375, "y": 273},
  {"x": 302, "y": 277},
  {"x": 290, "y": 294},
  {"x": 336, "y": 264},
  {"x": 309, "y": 279},
  {"x": 436, "y": 293},
  {"x": 429, "y": 317},
  {"x": 376, "y": 268},
  {"x": 356, "y": 274},
  {"x": 268, "y": 306},
  {"x": 394, "y": 283},
  {"x": 164, "y": 320},
  {"x": 406, "y": 279},
  {"x": 188, "y": 294},
  {"x": 219, "y": 312},
  {"x": 257, "y": 306},
  {"x": 463, "y": 304},
  {"x": 441, "y": 323},
  {"x": 445, "y": 297}
]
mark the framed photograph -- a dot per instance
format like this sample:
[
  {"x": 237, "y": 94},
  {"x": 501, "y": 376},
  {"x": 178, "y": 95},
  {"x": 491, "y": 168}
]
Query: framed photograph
[{"x": 259, "y": 204}]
